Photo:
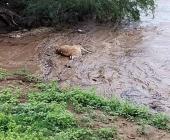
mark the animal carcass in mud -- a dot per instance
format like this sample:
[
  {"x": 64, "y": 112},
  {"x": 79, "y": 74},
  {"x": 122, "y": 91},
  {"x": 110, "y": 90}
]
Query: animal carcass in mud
[{"x": 74, "y": 51}]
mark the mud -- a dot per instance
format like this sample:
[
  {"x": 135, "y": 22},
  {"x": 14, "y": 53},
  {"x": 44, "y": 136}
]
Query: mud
[
  {"x": 132, "y": 63},
  {"x": 131, "y": 131},
  {"x": 18, "y": 50},
  {"x": 126, "y": 130}
]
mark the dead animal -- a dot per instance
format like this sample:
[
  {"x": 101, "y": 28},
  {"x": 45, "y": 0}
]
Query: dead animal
[{"x": 72, "y": 52}]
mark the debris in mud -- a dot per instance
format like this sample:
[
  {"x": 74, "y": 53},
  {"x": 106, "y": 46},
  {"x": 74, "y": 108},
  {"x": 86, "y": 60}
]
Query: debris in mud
[
  {"x": 157, "y": 106},
  {"x": 81, "y": 31},
  {"x": 15, "y": 36}
]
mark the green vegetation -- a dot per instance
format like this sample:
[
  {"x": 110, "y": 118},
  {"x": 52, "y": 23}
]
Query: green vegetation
[
  {"x": 25, "y": 76},
  {"x": 52, "y": 12},
  {"x": 22, "y": 75},
  {"x": 74, "y": 10},
  {"x": 3, "y": 74},
  {"x": 42, "y": 119},
  {"x": 49, "y": 113}
]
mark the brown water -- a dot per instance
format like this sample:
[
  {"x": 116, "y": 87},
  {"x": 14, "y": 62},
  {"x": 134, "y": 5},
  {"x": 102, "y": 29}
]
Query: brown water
[{"x": 133, "y": 63}]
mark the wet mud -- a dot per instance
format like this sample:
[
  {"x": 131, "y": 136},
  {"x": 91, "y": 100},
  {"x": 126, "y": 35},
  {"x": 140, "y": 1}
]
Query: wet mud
[{"x": 132, "y": 63}]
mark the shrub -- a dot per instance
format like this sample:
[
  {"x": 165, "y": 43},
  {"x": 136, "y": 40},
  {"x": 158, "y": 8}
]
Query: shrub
[{"x": 58, "y": 11}]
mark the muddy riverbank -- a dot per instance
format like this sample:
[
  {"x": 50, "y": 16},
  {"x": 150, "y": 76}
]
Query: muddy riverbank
[{"x": 132, "y": 63}]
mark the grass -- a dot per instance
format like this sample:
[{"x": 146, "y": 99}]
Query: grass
[
  {"x": 42, "y": 120},
  {"x": 51, "y": 113},
  {"x": 3, "y": 74},
  {"x": 82, "y": 100},
  {"x": 21, "y": 74},
  {"x": 26, "y": 76}
]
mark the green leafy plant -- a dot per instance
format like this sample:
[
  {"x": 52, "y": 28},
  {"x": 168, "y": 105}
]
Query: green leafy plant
[
  {"x": 49, "y": 113},
  {"x": 26, "y": 76},
  {"x": 3, "y": 74},
  {"x": 59, "y": 11}
]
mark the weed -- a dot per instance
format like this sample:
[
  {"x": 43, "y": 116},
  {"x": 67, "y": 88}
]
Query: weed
[
  {"x": 85, "y": 98},
  {"x": 142, "y": 130},
  {"x": 3, "y": 74},
  {"x": 8, "y": 96},
  {"x": 85, "y": 121},
  {"x": 22, "y": 75},
  {"x": 107, "y": 133},
  {"x": 160, "y": 121},
  {"x": 87, "y": 134},
  {"x": 25, "y": 76},
  {"x": 45, "y": 115}
]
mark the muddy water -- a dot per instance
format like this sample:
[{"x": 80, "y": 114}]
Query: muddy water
[
  {"x": 151, "y": 69},
  {"x": 133, "y": 63}
]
